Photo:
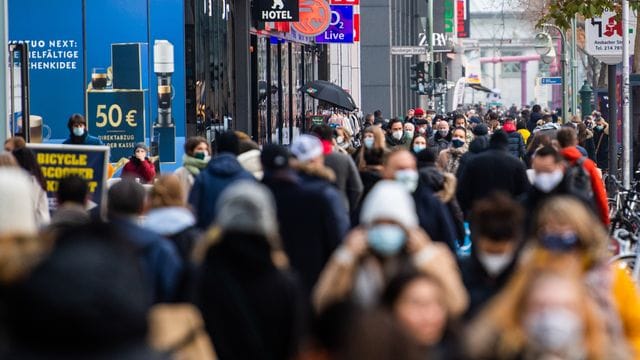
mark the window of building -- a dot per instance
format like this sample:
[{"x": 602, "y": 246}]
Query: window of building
[{"x": 510, "y": 69}]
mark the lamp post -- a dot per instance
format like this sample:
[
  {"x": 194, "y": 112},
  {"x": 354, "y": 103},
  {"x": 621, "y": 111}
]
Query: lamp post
[
  {"x": 585, "y": 98},
  {"x": 563, "y": 61}
]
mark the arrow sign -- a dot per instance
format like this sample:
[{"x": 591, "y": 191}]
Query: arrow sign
[{"x": 556, "y": 80}]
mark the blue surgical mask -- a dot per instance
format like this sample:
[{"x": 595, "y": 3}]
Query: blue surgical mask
[
  {"x": 78, "y": 131},
  {"x": 599, "y": 127},
  {"x": 408, "y": 178},
  {"x": 417, "y": 148},
  {"x": 368, "y": 142},
  {"x": 386, "y": 239},
  {"x": 457, "y": 143}
]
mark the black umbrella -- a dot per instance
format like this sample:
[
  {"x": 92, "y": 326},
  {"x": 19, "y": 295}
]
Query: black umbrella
[{"x": 329, "y": 93}]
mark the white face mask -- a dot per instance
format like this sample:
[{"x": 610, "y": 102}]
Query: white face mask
[
  {"x": 408, "y": 178},
  {"x": 495, "y": 263},
  {"x": 546, "y": 182},
  {"x": 397, "y": 134},
  {"x": 556, "y": 329}
]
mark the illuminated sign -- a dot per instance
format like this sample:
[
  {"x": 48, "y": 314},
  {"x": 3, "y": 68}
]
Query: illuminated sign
[{"x": 315, "y": 17}]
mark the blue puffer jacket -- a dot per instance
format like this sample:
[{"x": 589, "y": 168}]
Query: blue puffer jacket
[
  {"x": 516, "y": 145},
  {"x": 221, "y": 171},
  {"x": 88, "y": 140}
]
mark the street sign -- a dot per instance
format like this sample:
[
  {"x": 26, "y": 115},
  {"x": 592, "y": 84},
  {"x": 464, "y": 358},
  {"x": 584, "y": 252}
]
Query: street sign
[
  {"x": 408, "y": 50},
  {"x": 554, "y": 80},
  {"x": 340, "y": 28},
  {"x": 603, "y": 37}
]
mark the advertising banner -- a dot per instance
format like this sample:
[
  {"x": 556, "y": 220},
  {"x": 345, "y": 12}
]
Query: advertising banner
[
  {"x": 340, "y": 28},
  {"x": 462, "y": 18},
  {"x": 277, "y": 10},
  {"x": 59, "y": 161},
  {"x": 117, "y": 117},
  {"x": 54, "y": 36},
  {"x": 603, "y": 37}
]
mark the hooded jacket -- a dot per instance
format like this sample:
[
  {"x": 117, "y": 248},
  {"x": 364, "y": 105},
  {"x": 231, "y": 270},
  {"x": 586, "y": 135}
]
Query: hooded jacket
[
  {"x": 221, "y": 171},
  {"x": 572, "y": 154}
]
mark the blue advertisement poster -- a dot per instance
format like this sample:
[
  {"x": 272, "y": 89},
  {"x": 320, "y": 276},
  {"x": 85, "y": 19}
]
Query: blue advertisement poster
[
  {"x": 340, "y": 29},
  {"x": 59, "y": 161},
  {"x": 54, "y": 34},
  {"x": 72, "y": 40}
]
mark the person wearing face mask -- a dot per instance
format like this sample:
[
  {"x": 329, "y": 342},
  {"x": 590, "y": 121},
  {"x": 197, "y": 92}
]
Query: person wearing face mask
[
  {"x": 409, "y": 133},
  {"x": 441, "y": 138},
  {"x": 601, "y": 140},
  {"x": 196, "y": 157},
  {"x": 388, "y": 241},
  {"x": 434, "y": 217},
  {"x": 139, "y": 165},
  {"x": 396, "y": 136},
  {"x": 584, "y": 167},
  {"x": 544, "y": 313},
  {"x": 549, "y": 180},
  {"x": 496, "y": 232},
  {"x": 449, "y": 159},
  {"x": 418, "y": 144},
  {"x": 373, "y": 139},
  {"x": 423, "y": 127},
  {"x": 78, "y": 134}
]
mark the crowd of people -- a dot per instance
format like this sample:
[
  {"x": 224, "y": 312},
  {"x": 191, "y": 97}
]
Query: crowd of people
[{"x": 345, "y": 245}]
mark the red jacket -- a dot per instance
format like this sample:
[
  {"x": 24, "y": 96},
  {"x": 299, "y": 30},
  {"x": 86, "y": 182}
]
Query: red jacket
[
  {"x": 572, "y": 154},
  {"x": 144, "y": 170}
]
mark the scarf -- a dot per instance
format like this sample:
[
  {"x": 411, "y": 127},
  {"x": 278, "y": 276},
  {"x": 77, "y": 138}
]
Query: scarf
[{"x": 193, "y": 165}]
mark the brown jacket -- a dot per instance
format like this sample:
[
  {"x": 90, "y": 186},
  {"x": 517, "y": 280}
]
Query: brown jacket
[{"x": 337, "y": 280}]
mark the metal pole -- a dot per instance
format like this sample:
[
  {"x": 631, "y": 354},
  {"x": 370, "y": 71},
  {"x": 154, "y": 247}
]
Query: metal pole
[
  {"x": 574, "y": 67},
  {"x": 431, "y": 54},
  {"x": 613, "y": 122},
  {"x": 626, "y": 123}
]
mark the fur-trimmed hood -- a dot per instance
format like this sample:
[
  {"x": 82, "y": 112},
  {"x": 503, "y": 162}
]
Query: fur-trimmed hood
[{"x": 322, "y": 172}]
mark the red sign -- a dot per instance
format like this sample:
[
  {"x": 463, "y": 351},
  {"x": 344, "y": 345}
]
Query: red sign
[
  {"x": 315, "y": 16},
  {"x": 462, "y": 18},
  {"x": 345, "y": 2},
  {"x": 356, "y": 27}
]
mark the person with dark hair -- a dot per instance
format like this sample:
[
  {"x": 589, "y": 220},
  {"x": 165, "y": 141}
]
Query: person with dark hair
[
  {"x": 221, "y": 171},
  {"x": 449, "y": 159},
  {"x": 252, "y": 306},
  {"x": 417, "y": 302},
  {"x": 72, "y": 198},
  {"x": 536, "y": 115},
  {"x": 139, "y": 165},
  {"x": 196, "y": 157},
  {"x": 343, "y": 166},
  {"x": 160, "y": 261},
  {"x": 308, "y": 224},
  {"x": 521, "y": 127},
  {"x": 497, "y": 241},
  {"x": 493, "y": 170},
  {"x": 13, "y": 143},
  {"x": 78, "y": 133},
  {"x": 585, "y": 140},
  {"x": 27, "y": 161},
  {"x": 549, "y": 180},
  {"x": 584, "y": 172},
  {"x": 395, "y": 135},
  {"x": 516, "y": 142}
]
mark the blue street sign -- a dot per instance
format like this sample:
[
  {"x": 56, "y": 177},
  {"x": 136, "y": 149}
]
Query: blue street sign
[
  {"x": 340, "y": 29},
  {"x": 556, "y": 80}
]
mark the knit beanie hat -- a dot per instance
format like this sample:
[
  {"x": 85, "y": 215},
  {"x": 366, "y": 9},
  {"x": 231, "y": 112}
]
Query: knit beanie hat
[
  {"x": 274, "y": 157},
  {"x": 247, "y": 207},
  {"x": 480, "y": 129},
  {"x": 306, "y": 148},
  {"x": 17, "y": 214},
  {"x": 376, "y": 205},
  {"x": 140, "y": 145},
  {"x": 250, "y": 161}
]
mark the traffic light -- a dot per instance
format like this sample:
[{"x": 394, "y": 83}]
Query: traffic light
[{"x": 419, "y": 77}]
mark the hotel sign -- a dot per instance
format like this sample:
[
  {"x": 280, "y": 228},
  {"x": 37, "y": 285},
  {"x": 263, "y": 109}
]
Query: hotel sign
[{"x": 277, "y": 10}]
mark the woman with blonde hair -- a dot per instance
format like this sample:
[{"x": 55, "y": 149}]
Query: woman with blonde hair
[
  {"x": 545, "y": 312},
  {"x": 566, "y": 228}
]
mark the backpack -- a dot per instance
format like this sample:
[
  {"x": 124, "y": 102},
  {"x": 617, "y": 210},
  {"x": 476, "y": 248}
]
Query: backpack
[{"x": 579, "y": 180}]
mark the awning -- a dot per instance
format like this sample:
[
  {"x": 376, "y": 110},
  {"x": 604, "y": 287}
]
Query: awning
[{"x": 479, "y": 87}]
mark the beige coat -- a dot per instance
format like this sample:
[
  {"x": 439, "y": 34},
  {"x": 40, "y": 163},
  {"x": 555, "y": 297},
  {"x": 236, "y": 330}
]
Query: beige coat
[{"x": 337, "y": 281}]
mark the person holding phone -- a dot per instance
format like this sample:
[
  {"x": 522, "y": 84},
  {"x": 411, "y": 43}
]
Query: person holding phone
[{"x": 139, "y": 165}]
